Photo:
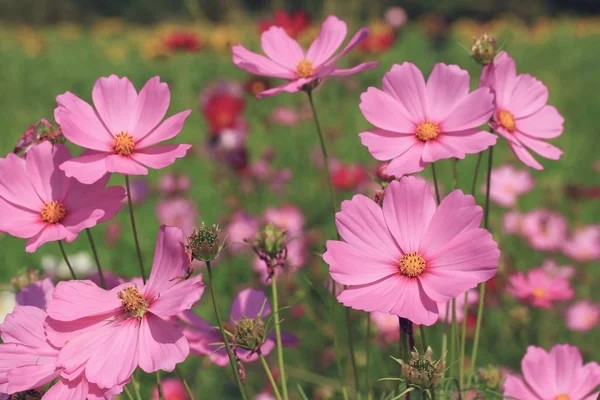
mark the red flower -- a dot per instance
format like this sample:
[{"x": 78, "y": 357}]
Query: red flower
[
  {"x": 347, "y": 176},
  {"x": 381, "y": 38},
  {"x": 293, "y": 23},
  {"x": 183, "y": 41},
  {"x": 223, "y": 111}
]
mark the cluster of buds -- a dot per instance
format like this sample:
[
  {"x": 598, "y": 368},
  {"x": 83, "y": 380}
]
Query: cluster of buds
[
  {"x": 37, "y": 133},
  {"x": 484, "y": 49},
  {"x": 422, "y": 370},
  {"x": 492, "y": 377},
  {"x": 271, "y": 247},
  {"x": 204, "y": 243},
  {"x": 249, "y": 334}
]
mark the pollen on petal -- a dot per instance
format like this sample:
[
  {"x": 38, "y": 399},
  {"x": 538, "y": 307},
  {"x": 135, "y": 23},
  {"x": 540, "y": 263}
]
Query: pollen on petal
[
  {"x": 53, "y": 212},
  {"x": 412, "y": 265},
  {"x": 427, "y": 130},
  {"x": 507, "y": 120},
  {"x": 562, "y": 396},
  {"x": 123, "y": 144},
  {"x": 305, "y": 69},
  {"x": 539, "y": 292},
  {"x": 133, "y": 301}
]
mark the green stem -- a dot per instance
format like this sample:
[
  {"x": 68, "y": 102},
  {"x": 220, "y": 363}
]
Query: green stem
[
  {"x": 435, "y": 183},
  {"x": 128, "y": 393},
  {"x": 453, "y": 337},
  {"x": 278, "y": 337},
  {"x": 463, "y": 339},
  {"x": 64, "y": 254},
  {"x": 135, "y": 235},
  {"x": 474, "y": 184},
  {"x": 269, "y": 375},
  {"x": 486, "y": 216},
  {"x": 159, "y": 386},
  {"x": 95, "y": 251},
  {"x": 454, "y": 173},
  {"x": 136, "y": 387},
  {"x": 232, "y": 361},
  {"x": 423, "y": 338},
  {"x": 351, "y": 347},
  {"x": 185, "y": 384},
  {"x": 368, "y": 351}
]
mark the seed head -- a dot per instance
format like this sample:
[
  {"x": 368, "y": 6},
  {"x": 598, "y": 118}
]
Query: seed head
[
  {"x": 204, "y": 243},
  {"x": 422, "y": 370},
  {"x": 249, "y": 333},
  {"x": 484, "y": 49},
  {"x": 271, "y": 240}
]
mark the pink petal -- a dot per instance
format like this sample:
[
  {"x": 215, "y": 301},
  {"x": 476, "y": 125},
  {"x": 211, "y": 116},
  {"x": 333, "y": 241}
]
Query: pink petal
[
  {"x": 540, "y": 372},
  {"x": 165, "y": 131},
  {"x": 385, "y": 112},
  {"x": 88, "y": 199},
  {"x": 408, "y": 162},
  {"x": 525, "y": 156},
  {"x": 178, "y": 298},
  {"x": 349, "y": 265},
  {"x": 414, "y": 304},
  {"x": 114, "y": 98},
  {"x": 248, "y": 303},
  {"x": 547, "y": 123},
  {"x": 354, "y": 70},
  {"x": 332, "y": 34},
  {"x": 406, "y": 84},
  {"x": 586, "y": 380},
  {"x": 289, "y": 87},
  {"x": 150, "y": 107},
  {"x": 354, "y": 41},
  {"x": 281, "y": 48},
  {"x": 435, "y": 150},
  {"x": 42, "y": 163},
  {"x": 76, "y": 353},
  {"x": 461, "y": 143},
  {"x": 380, "y": 296},
  {"x": 408, "y": 206},
  {"x": 385, "y": 145},
  {"x": 501, "y": 77},
  {"x": 124, "y": 165},
  {"x": 528, "y": 97},
  {"x": 160, "y": 156},
  {"x": 446, "y": 86},
  {"x": 49, "y": 233},
  {"x": 170, "y": 261},
  {"x": 568, "y": 359},
  {"x": 515, "y": 388},
  {"x": 15, "y": 184},
  {"x": 59, "y": 333},
  {"x": 161, "y": 345},
  {"x": 80, "y": 123},
  {"x": 80, "y": 299},
  {"x": 87, "y": 168},
  {"x": 542, "y": 148},
  {"x": 361, "y": 224},
  {"x": 68, "y": 390},
  {"x": 25, "y": 325},
  {"x": 470, "y": 112},
  {"x": 31, "y": 377},
  {"x": 18, "y": 221},
  {"x": 259, "y": 65}
]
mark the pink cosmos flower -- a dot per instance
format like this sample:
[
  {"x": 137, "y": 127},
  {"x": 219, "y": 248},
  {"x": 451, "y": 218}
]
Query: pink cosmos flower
[
  {"x": 287, "y": 60},
  {"x": 419, "y": 123},
  {"x": 522, "y": 116},
  {"x": 37, "y": 294},
  {"x": 584, "y": 244},
  {"x": 544, "y": 229},
  {"x": 178, "y": 211},
  {"x": 387, "y": 324},
  {"x": 472, "y": 298},
  {"x": 407, "y": 257},
  {"x": 539, "y": 288},
  {"x": 107, "y": 334},
  {"x": 285, "y": 116},
  {"x": 288, "y": 217},
  {"x": 583, "y": 316},
  {"x": 172, "y": 389},
  {"x": 508, "y": 184},
  {"x": 38, "y": 202},
  {"x": 553, "y": 269},
  {"x": 29, "y": 361},
  {"x": 558, "y": 374},
  {"x": 121, "y": 132},
  {"x": 511, "y": 222}
]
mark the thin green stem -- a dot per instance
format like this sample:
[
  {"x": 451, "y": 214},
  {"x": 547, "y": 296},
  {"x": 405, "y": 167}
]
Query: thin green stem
[
  {"x": 453, "y": 331},
  {"x": 136, "y": 387},
  {"x": 278, "y": 337},
  {"x": 128, "y": 393},
  {"x": 423, "y": 338},
  {"x": 135, "y": 235},
  {"x": 159, "y": 386},
  {"x": 64, "y": 254},
  {"x": 474, "y": 184},
  {"x": 435, "y": 183},
  {"x": 269, "y": 375},
  {"x": 232, "y": 360},
  {"x": 463, "y": 339},
  {"x": 351, "y": 347},
  {"x": 185, "y": 384},
  {"x": 368, "y": 356},
  {"x": 95, "y": 252},
  {"x": 454, "y": 173}
]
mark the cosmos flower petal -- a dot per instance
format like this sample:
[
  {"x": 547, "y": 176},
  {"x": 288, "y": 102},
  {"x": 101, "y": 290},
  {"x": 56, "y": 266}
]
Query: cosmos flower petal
[
  {"x": 158, "y": 157},
  {"x": 114, "y": 98},
  {"x": 259, "y": 65},
  {"x": 547, "y": 123},
  {"x": 178, "y": 298},
  {"x": 88, "y": 168},
  {"x": 281, "y": 48},
  {"x": 150, "y": 108},
  {"x": 248, "y": 303},
  {"x": 161, "y": 344},
  {"x": 384, "y": 111},
  {"x": 165, "y": 131},
  {"x": 332, "y": 34},
  {"x": 447, "y": 85}
]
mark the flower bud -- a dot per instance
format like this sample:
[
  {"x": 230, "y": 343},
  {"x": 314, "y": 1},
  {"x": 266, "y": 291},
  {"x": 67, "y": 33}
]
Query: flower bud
[
  {"x": 422, "y": 370},
  {"x": 383, "y": 175},
  {"x": 249, "y": 333},
  {"x": 271, "y": 240},
  {"x": 484, "y": 49},
  {"x": 204, "y": 243}
]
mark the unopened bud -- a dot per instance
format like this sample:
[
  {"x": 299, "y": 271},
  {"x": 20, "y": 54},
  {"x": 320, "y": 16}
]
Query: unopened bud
[
  {"x": 484, "y": 49},
  {"x": 382, "y": 173},
  {"x": 249, "y": 333},
  {"x": 422, "y": 370},
  {"x": 271, "y": 240},
  {"x": 204, "y": 243}
]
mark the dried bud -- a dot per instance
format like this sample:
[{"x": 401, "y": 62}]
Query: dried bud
[
  {"x": 422, "y": 370},
  {"x": 382, "y": 173},
  {"x": 491, "y": 376},
  {"x": 271, "y": 240},
  {"x": 484, "y": 49},
  {"x": 204, "y": 243},
  {"x": 249, "y": 333},
  {"x": 27, "y": 395}
]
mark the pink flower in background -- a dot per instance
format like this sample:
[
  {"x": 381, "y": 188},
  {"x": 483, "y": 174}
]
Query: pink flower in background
[
  {"x": 508, "y": 184},
  {"x": 558, "y": 374},
  {"x": 473, "y": 298},
  {"x": 511, "y": 222},
  {"x": 419, "y": 123},
  {"x": 172, "y": 389},
  {"x": 539, "y": 288},
  {"x": 395, "y": 17},
  {"x": 121, "y": 132},
  {"x": 288, "y": 217},
  {"x": 107, "y": 334},
  {"x": 562, "y": 271},
  {"x": 170, "y": 184},
  {"x": 583, "y": 316},
  {"x": 38, "y": 202},
  {"x": 241, "y": 227},
  {"x": 139, "y": 191},
  {"x": 178, "y": 211},
  {"x": 287, "y": 60},
  {"x": 583, "y": 244},
  {"x": 522, "y": 115},
  {"x": 264, "y": 395},
  {"x": 113, "y": 233},
  {"x": 347, "y": 176},
  {"x": 37, "y": 294},
  {"x": 285, "y": 116},
  {"x": 407, "y": 257},
  {"x": 544, "y": 229},
  {"x": 387, "y": 324}
]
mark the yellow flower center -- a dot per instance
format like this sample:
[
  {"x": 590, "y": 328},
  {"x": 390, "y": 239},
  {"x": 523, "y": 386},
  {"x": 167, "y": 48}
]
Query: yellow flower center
[
  {"x": 53, "y": 212},
  {"x": 539, "y": 292},
  {"x": 412, "y": 265},
  {"x": 133, "y": 301},
  {"x": 562, "y": 396},
  {"x": 427, "y": 130},
  {"x": 123, "y": 144},
  {"x": 507, "y": 120},
  {"x": 305, "y": 69}
]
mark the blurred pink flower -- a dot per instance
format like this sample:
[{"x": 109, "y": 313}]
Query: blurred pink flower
[
  {"x": 558, "y": 374},
  {"x": 387, "y": 324},
  {"x": 121, "y": 132},
  {"x": 473, "y": 298},
  {"x": 522, "y": 116},
  {"x": 172, "y": 389},
  {"x": 553, "y": 269},
  {"x": 288, "y": 217},
  {"x": 139, "y": 191},
  {"x": 264, "y": 395},
  {"x": 539, "y": 288},
  {"x": 285, "y": 116},
  {"x": 508, "y": 184},
  {"x": 129, "y": 326},
  {"x": 418, "y": 123},
  {"x": 583, "y": 316},
  {"x": 287, "y": 60},
  {"x": 113, "y": 233},
  {"x": 411, "y": 255},
  {"x": 545, "y": 230},
  {"x": 178, "y": 211},
  {"x": 241, "y": 227},
  {"x": 43, "y": 205},
  {"x": 170, "y": 184},
  {"x": 583, "y": 244},
  {"x": 511, "y": 222},
  {"x": 347, "y": 176},
  {"x": 395, "y": 17},
  {"x": 37, "y": 294}
]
